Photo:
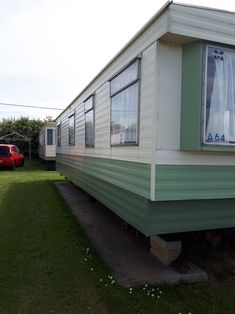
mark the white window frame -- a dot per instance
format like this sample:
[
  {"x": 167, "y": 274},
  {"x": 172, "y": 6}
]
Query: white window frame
[{"x": 207, "y": 143}]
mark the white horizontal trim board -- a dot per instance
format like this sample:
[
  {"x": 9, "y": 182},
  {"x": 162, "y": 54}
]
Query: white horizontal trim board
[{"x": 171, "y": 157}]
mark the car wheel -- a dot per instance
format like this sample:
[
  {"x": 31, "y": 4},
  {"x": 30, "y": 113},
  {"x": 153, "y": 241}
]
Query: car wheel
[{"x": 13, "y": 166}]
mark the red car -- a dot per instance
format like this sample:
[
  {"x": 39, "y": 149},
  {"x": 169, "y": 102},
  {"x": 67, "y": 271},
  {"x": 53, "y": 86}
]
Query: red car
[{"x": 10, "y": 156}]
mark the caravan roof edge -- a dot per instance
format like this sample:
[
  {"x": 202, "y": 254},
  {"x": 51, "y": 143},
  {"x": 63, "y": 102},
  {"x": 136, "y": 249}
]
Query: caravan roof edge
[
  {"x": 160, "y": 12},
  {"x": 138, "y": 34}
]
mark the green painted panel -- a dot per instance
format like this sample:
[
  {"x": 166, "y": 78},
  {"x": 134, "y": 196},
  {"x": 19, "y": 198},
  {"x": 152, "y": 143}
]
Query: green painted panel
[
  {"x": 129, "y": 206},
  {"x": 217, "y": 148},
  {"x": 191, "y": 101},
  {"x": 177, "y": 182},
  {"x": 182, "y": 216},
  {"x": 131, "y": 176}
]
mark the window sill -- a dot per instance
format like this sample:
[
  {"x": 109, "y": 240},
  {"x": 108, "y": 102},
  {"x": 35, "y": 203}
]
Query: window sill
[{"x": 124, "y": 145}]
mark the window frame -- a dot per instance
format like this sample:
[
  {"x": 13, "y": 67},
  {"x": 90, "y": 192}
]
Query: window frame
[
  {"x": 92, "y": 97},
  {"x": 204, "y": 88},
  {"x": 69, "y": 140},
  {"x": 137, "y": 80}
]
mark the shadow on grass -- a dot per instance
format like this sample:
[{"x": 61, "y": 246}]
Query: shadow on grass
[
  {"x": 42, "y": 270},
  {"x": 33, "y": 165}
]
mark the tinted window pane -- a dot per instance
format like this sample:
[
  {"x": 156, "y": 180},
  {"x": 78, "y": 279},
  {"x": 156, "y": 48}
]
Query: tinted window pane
[
  {"x": 59, "y": 135},
  {"x": 88, "y": 104},
  {"x": 72, "y": 130},
  {"x": 15, "y": 149},
  {"x": 4, "y": 151},
  {"x": 125, "y": 78},
  {"x": 49, "y": 136},
  {"x": 89, "y": 129}
]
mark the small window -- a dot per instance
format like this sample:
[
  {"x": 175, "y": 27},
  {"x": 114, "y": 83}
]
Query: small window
[
  {"x": 49, "y": 136},
  {"x": 59, "y": 135},
  {"x": 72, "y": 130},
  {"x": 125, "y": 105},
  {"x": 89, "y": 122},
  {"x": 219, "y": 115}
]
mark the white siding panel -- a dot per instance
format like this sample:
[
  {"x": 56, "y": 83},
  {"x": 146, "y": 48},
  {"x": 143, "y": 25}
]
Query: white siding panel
[
  {"x": 147, "y": 98},
  {"x": 64, "y": 135},
  {"x": 102, "y": 121},
  {"x": 79, "y": 126},
  {"x": 50, "y": 151},
  {"x": 142, "y": 152},
  {"x": 201, "y": 23},
  {"x": 169, "y": 107}
]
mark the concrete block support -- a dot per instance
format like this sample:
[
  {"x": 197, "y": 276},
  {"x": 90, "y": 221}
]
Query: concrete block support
[{"x": 165, "y": 251}]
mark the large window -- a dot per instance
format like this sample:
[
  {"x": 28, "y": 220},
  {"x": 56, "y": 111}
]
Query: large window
[
  {"x": 49, "y": 136},
  {"x": 72, "y": 130},
  {"x": 89, "y": 122},
  {"x": 125, "y": 105},
  {"x": 219, "y": 117},
  {"x": 59, "y": 135}
]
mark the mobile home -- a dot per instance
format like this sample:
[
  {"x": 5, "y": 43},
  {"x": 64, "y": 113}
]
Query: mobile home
[
  {"x": 47, "y": 144},
  {"x": 153, "y": 135}
]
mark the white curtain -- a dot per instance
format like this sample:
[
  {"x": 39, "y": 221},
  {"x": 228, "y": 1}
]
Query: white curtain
[
  {"x": 124, "y": 116},
  {"x": 221, "y": 113}
]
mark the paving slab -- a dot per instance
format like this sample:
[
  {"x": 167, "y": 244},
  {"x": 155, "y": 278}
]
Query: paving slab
[{"x": 126, "y": 253}]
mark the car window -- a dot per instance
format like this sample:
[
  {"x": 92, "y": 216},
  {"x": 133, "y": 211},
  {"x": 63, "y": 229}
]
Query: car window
[
  {"x": 15, "y": 149},
  {"x": 4, "y": 151}
]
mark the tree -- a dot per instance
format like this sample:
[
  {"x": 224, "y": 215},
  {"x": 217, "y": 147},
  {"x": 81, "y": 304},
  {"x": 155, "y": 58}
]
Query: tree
[{"x": 26, "y": 127}]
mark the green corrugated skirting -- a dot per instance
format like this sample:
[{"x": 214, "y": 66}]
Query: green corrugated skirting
[
  {"x": 177, "y": 182},
  {"x": 129, "y": 206},
  {"x": 162, "y": 216},
  {"x": 130, "y": 176},
  {"x": 182, "y": 216}
]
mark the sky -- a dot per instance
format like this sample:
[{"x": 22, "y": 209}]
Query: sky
[{"x": 51, "y": 49}]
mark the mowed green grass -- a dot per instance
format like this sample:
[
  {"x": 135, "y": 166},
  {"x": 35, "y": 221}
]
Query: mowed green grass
[{"x": 48, "y": 265}]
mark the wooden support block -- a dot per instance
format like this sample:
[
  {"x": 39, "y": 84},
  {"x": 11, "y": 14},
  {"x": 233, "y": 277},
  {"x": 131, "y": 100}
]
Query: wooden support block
[{"x": 165, "y": 251}]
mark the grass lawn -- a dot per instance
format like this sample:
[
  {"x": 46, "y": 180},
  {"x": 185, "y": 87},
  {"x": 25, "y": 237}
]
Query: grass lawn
[{"x": 47, "y": 264}]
